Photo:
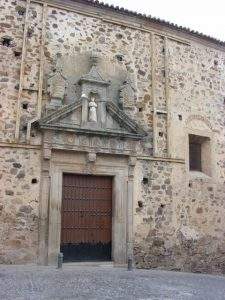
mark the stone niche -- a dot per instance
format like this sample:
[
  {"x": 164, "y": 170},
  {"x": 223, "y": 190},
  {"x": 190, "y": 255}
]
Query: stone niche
[{"x": 86, "y": 130}]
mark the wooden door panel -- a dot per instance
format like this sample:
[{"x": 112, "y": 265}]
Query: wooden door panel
[{"x": 86, "y": 217}]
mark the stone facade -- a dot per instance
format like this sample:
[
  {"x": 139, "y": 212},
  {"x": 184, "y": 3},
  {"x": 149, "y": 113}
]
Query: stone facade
[{"x": 156, "y": 86}]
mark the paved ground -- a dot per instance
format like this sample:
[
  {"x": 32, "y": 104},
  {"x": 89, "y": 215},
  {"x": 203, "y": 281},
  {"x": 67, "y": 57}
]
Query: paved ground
[{"x": 31, "y": 282}]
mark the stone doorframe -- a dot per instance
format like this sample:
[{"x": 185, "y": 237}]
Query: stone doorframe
[{"x": 57, "y": 162}]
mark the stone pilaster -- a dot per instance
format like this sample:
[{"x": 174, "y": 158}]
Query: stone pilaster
[
  {"x": 130, "y": 200},
  {"x": 44, "y": 202}
]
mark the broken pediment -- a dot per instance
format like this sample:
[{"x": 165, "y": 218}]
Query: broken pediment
[{"x": 69, "y": 118}]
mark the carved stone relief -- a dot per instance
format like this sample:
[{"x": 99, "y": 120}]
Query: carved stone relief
[
  {"x": 126, "y": 95},
  {"x": 94, "y": 144},
  {"x": 57, "y": 87},
  {"x": 75, "y": 66},
  {"x": 95, "y": 122},
  {"x": 96, "y": 111}
]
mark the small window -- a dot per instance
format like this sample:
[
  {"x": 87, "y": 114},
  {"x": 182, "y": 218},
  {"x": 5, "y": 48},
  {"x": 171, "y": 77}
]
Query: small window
[
  {"x": 195, "y": 159},
  {"x": 199, "y": 154}
]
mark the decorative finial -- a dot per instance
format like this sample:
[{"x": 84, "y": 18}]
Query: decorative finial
[{"x": 94, "y": 58}]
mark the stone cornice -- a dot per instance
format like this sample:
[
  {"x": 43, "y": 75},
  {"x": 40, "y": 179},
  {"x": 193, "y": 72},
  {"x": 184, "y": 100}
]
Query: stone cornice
[
  {"x": 162, "y": 159},
  {"x": 87, "y": 131},
  {"x": 38, "y": 147},
  {"x": 22, "y": 146}
]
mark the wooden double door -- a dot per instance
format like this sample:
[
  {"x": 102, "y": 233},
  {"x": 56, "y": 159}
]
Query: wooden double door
[{"x": 86, "y": 224}]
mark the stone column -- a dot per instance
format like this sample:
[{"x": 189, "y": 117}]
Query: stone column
[{"x": 130, "y": 200}]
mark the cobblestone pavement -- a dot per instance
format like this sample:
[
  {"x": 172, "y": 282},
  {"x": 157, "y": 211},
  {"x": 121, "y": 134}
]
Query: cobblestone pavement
[{"x": 77, "y": 282}]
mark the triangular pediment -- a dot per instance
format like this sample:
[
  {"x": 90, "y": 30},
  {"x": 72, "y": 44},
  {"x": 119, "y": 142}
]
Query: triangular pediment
[
  {"x": 94, "y": 76},
  {"x": 68, "y": 118}
]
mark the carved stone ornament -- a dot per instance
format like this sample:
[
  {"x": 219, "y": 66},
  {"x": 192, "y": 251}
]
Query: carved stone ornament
[
  {"x": 95, "y": 119},
  {"x": 94, "y": 76},
  {"x": 57, "y": 87},
  {"x": 91, "y": 157},
  {"x": 126, "y": 94}
]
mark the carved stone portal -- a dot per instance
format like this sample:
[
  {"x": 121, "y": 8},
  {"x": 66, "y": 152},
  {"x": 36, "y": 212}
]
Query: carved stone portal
[{"x": 90, "y": 135}]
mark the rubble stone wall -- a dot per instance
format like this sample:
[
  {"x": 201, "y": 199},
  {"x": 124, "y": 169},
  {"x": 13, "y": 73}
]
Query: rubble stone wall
[{"x": 19, "y": 204}]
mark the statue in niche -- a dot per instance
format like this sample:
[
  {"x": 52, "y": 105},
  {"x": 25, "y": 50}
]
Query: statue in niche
[{"x": 92, "y": 110}]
